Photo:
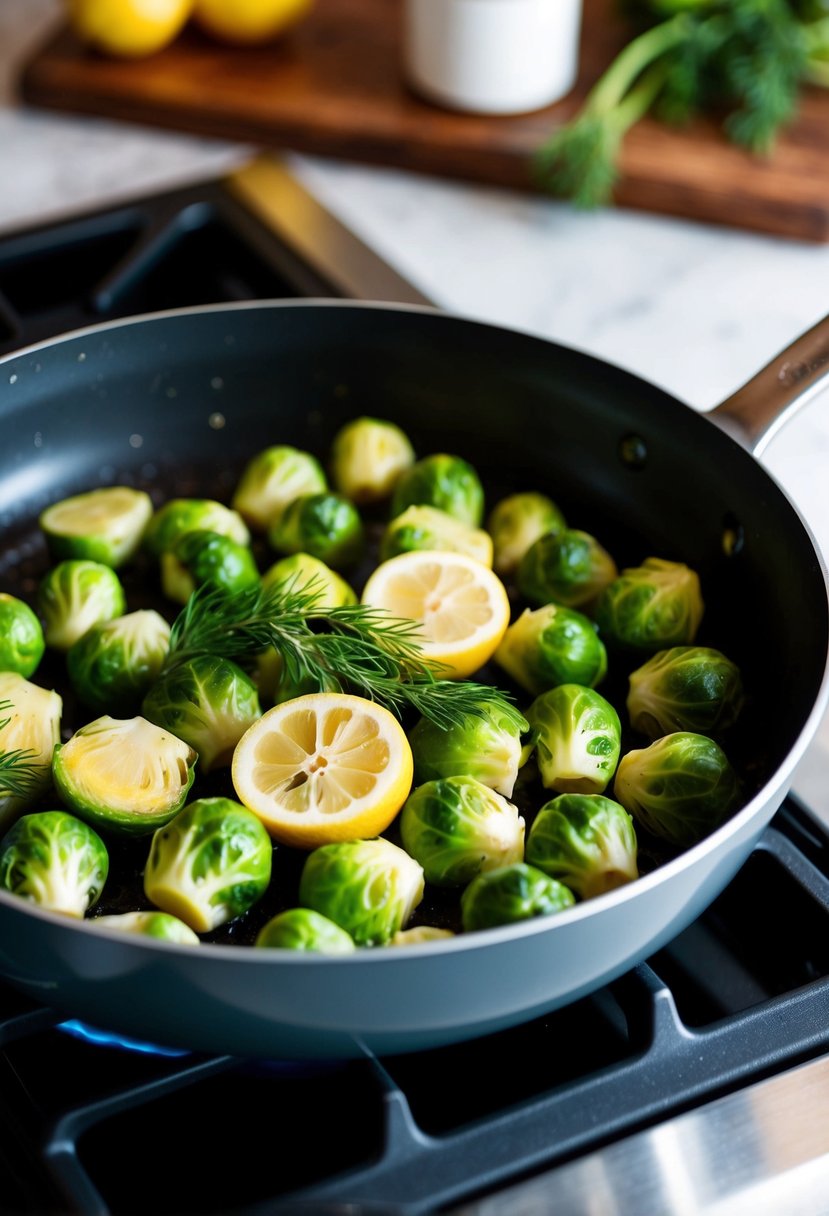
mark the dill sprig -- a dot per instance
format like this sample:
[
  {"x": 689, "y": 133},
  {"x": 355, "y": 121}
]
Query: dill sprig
[
  {"x": 19, "y": 774},
  {"x": 353, "y": 648}
]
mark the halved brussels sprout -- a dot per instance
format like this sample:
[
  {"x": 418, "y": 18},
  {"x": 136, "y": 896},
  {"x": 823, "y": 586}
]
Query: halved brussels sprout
[
  {"x": 304, "y": 929},
  {"x": 327, "y": 526},
  {"x": 124, "y": 775},
  {"x": 679, "y": 788},
  {"x": 513, "y": 893},
  {"x": 303, "y": 572},
  {"x": 368, "y": 456},
  {"x": 202, "y": 558},
  {"x": 273, "y": 478},
  {"x": 55, "y": 861},
  {"x": 104, "y": 525},
  {"x": 208, "y": 703},
  {"x": 487, "y": 746},
  {"x": 160, "y": 925},
  {"x": 516, "y": 522},
  {"x": 30, "y": 718},
  {"x": 422, "y": 527},
  {"x": 567, "y": 567},
  {"x": 586, "y": 841},
  {"x": 456, "y": 828},
  {"x": 181, "y": 515},
  {"x": 692, "y": 688},
  {"x": 113, "y": 664},
  {"x": 445, "y": 481},
  {"x": 209, "y": 864},
  {"x": 21, "y": 636},
  {"x": 651, "y": 607},
  {"x": 578, "y": 739},
  {"x": 75, "y": 595},
  {"x": 370, "y": 888},
  {"x": 552, "y": 645},
  {"x": 420, "y": 935}
]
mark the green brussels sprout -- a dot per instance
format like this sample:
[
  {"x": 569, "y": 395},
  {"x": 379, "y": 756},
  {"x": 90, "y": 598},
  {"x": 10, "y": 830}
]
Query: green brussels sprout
[
  {"x": 578, "y": 739},
  {"x": 207, "y": 702},
  {"x": 487, "y": 746},
  {"x": 420, "y": 935},
  {"x": 160, "y": 925},
  {"x": 54, "y": 860},
  {"x": 273, "y": 478},
  {"x": 552, "y": 645},
  {"x": 75, "y": 595},
  {"x": 444, "y": 481},
  {"x": 209, "y": 864},
  {"x": 30, "y": 718},
  {"x": 370, "y": 888},
  {"x": 692, "y": 688},
  {"x": 201, "y": 558},
  {"x": 21, "y": 636},
  {"x": 586, "y": 841},
  {"x": 422, "y": 527},
  {"x": 368, "y": 457},
  {"x": 304, "y": 929},
  {"x": 456, "y": 828},
  {"x": 181, "y": 515},
  {"x": 679, "y": 788},
  {"x": 516, "y": 522},
  {"x": 514, "y": 893},
  {"x": 104, "y": 525},
  {"x": 126, "y": 776},
  {"x": 113, "y": 664},
  {"x": 302, "y": 572},
  {"x": 651, "y": 607},
  {"x": 327, "y": 526},
  {"x": 567, "y": 567}
]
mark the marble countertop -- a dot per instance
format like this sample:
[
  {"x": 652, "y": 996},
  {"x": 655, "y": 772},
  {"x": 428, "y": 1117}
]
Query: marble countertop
[{"x": 694, "y": 308}]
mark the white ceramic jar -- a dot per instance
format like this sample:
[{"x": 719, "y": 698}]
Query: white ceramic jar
[{"x": 492, "y": 56}]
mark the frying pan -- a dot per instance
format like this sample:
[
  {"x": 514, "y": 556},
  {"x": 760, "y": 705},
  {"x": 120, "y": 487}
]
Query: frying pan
[{"x": 177, "y": 401}]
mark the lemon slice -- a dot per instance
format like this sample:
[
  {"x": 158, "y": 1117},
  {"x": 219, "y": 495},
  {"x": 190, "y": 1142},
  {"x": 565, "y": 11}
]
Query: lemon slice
[
  {"x": 461, "y": 605},
  {"x": 322, "y": 768},
  {"x": 104, "y": 525}
]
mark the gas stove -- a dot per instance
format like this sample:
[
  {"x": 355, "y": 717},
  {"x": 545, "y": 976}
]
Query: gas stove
[{"x": 698, "y": 1082}]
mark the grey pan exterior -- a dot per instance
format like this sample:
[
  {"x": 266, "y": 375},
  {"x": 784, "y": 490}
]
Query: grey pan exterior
[{"x": 207, "y": 386}]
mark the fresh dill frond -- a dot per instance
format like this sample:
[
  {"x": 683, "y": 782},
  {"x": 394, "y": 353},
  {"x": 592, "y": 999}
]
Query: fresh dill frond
[{"x": 352, "y": 648}]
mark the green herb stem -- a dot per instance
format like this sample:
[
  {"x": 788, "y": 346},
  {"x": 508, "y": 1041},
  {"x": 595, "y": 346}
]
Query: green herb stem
[{"x": 351, "y": 648}]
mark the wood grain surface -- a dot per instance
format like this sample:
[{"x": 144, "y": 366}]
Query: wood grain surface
[{"x": 334, "y": 87}]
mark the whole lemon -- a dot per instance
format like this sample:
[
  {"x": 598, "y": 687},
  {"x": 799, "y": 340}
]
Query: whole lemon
[
  {"x": 247, "y": 22},
  {"x": 129, "y": 28}
]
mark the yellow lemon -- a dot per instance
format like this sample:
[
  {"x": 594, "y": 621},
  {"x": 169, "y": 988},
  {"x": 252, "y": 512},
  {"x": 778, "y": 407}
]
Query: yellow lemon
[
  {"x": 247, "y": 22},
  {"x": 461, "y": 605},
  {"x": 128, "y": 28},
  {"x": 322, "y": 768}
]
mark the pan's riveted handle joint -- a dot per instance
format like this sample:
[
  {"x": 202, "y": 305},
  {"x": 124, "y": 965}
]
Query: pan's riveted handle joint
[{"x": 758, "y": 410}]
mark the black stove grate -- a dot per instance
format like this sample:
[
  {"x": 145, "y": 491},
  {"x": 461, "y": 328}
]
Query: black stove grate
[{"x": 88, "y": 1129}]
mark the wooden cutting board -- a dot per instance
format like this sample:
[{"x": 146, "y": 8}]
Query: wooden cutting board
[{"x": 334, "y": 87}]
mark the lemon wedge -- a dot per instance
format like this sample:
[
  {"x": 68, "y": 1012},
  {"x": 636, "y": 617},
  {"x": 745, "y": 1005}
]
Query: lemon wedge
[
  {"x": 322, "y": 768},
  {"x": 461, "y": 605}
]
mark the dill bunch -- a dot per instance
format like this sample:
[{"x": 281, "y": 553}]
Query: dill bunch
[
  {"x": 352, "y": 648},
  {"x": 743, "y": 61}
]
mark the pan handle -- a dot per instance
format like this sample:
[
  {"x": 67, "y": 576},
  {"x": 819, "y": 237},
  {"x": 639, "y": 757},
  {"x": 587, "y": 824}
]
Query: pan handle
[{"x": 757, "y": 411}]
